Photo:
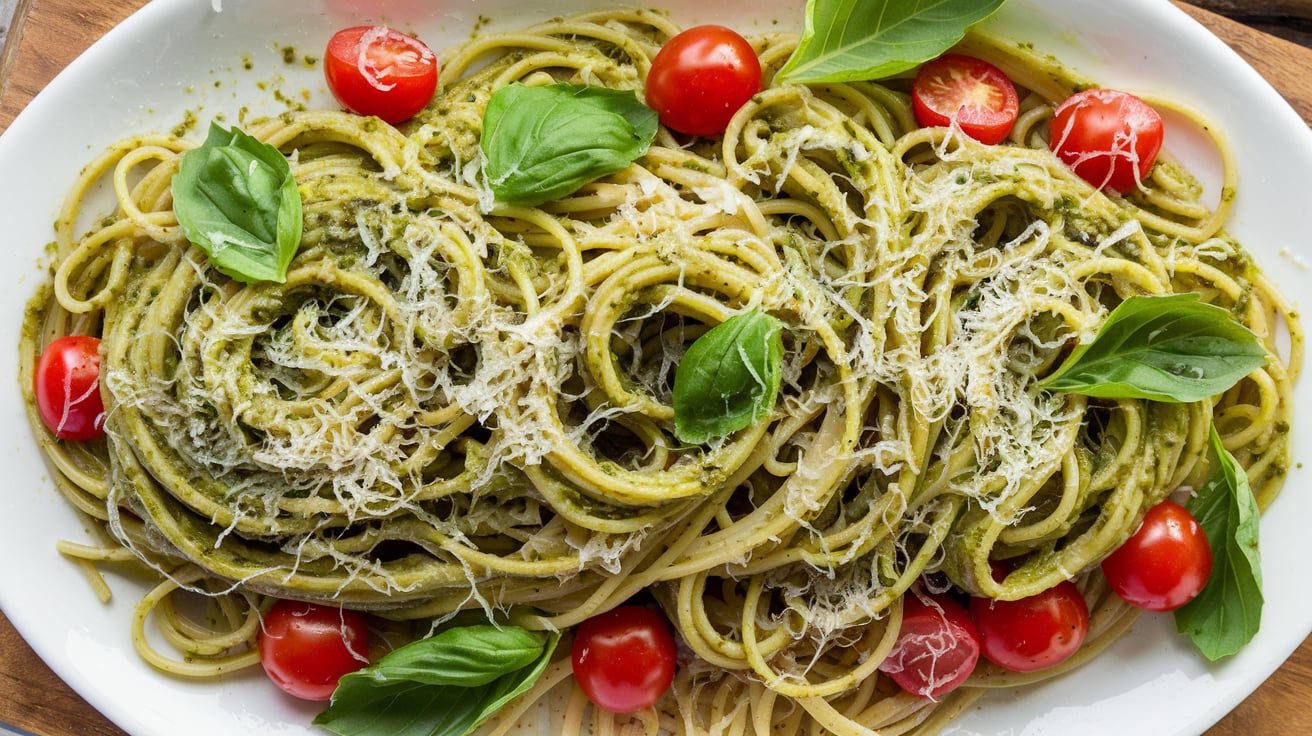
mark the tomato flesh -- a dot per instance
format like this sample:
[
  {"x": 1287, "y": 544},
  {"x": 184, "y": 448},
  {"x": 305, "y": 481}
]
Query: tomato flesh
[
  {"x": 624, "y": 659},
  {"x": 306, "y": 647},
  {"x": 375, "y": 70},
  {"x": 937, "y": 647},
  {"x": 701, "y": 77},
  {"x": 67, "y": 388},
  {"x": 1109, "y": 138},
  {"x": 1032, "y": 633},
  {"x": 1164, "y": 564},
  {"x": 971, "y": 93}
]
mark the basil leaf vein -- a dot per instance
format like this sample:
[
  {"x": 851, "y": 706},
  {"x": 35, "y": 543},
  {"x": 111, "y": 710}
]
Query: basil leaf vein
[
  {"x": 236, "y": 199},
  {"x": 1163, "y": 348},
  {"x": 1227, "y": 613},
  {"x": 543, "y": 143},
  {"x": 445, "y": 685},
  {"x": 855, "y": 40},
  {"x": 728, "y": 378}
]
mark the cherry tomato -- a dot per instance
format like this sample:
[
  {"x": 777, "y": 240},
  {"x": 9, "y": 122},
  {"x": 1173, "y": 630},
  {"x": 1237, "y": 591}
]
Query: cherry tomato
[
  {"x": 67, "y": 387},
  {"x": 1109, "y": 138},
  {"x": 971, "y": 92},
  {"x": 1166, "y": 562},
  {"x": 374, "y": 70},
  {"x": 306, "y": 647},
  {"x": 701, "y": 77},
  {"x": 936, "y": 649},
  {"x": 1032, "y": 633},
  {"x": 624, "y": 658}
]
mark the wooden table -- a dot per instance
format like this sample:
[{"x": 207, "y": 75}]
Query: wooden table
[{"x": 48, "y": 34}]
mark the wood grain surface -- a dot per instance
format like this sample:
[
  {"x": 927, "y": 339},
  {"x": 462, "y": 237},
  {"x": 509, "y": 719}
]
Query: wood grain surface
[{"x": 48, "y": 34}]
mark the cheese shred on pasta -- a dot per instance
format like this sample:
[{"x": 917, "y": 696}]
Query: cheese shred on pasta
[{"x": 453, "y": 404}]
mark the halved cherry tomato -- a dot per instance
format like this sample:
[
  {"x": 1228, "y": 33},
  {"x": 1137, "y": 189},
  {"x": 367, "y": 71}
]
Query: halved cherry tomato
[
  {"x": 67, "y": 387},
  {"x": 624, "y": 658},
  {"x": 1109, "y": 138},
  {"x": 937, "y": 647},
  {"x": 701, "y": 77},
  {"x": 374, "y": 70},
  {"x": 1165, "y": 563},
  {"x": 306, "y": 647},
  {"x": 970, "y": 92},
  {"x": 1032, "y": 633}
]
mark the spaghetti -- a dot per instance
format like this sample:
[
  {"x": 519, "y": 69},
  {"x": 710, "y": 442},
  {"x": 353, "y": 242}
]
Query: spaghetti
[{"x": 455, "y": 404}]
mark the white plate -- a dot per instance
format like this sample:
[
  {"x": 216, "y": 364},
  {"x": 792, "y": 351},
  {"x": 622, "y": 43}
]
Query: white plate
[{"x": 181, "y": 55}]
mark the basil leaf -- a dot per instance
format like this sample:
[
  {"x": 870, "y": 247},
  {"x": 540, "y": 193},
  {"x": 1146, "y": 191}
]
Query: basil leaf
[
  {"x": 729, "y": 378},
  {"x": 445, "y": 685},
  {"x": 1163, "y": 348},
  {"x": 855, "y": 40},
  {"x": 1228, "y": 612},
  {"x": 236, "y": 199},
  {"x": 467, "y": 656},
  {"x": 543, "y": 143}
]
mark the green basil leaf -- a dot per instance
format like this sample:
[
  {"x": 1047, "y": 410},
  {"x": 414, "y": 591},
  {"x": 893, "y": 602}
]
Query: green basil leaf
[
  {"x": 466, "y": 656},
  {"x": 236, "y": 199},
  {"x": 1163, "y": 348},
  {"x": 400, "y": 708},
  {"x": 445, "y": 685},
  {"x": 543, "y": 143},
  {"x": 1228, "y": 612},
  {"x": 729, "y": 378},
  {"x": 855, "y": 40}
]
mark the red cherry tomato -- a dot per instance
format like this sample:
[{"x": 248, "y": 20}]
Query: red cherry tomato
[
  {"x": 67, "y": 387},
  {"x": 1109, "y": 138},
  {"x": 306, "y": 647},
  {"x": 624, "y": 658},
  {"x": 701, "y": 77},
  {"x": 1032, "y": 633},
  {"x": 936, "y": 649},
  {"x": 973, "y": 93},
  {"x": 374, "y": 70},
  {"x": 1165, "y": 564}
]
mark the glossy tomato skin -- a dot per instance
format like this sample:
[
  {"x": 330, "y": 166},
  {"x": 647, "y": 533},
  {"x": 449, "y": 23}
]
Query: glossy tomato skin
[
  {"x": 1109, "y": 138},
  {"x": 937, "y": 647},
  {"x": 306, "y": 647},
  {"x": 1032, "y": 633},
  {"x": 1165, "y": 563},
  {"x": 374, "y": 70},
  {"x": 971, "y": 92},
  {"x": 624, "y": 658},
  {"x": 701, "y": 77},
  {"x": 67, "y": 388}
]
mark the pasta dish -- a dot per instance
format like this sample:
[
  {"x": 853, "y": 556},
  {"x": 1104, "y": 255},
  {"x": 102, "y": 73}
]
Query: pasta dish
[{"x": 453, "y": 407}]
